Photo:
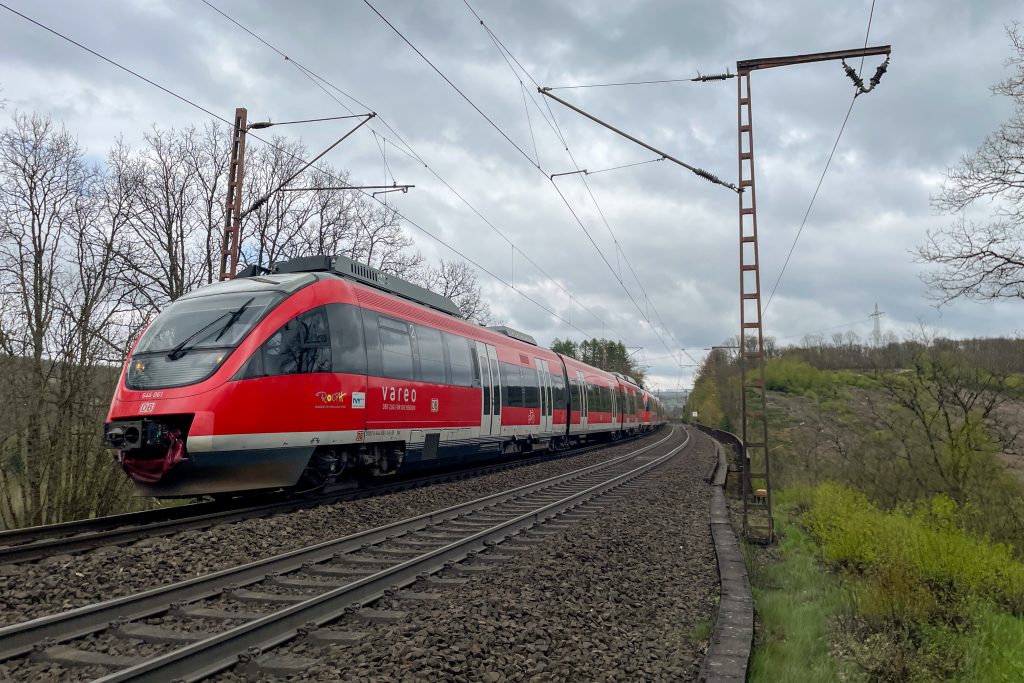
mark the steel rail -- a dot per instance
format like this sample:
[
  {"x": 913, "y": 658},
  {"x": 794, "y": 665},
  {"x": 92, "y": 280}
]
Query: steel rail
[
  {"x": 19, "y": 639},
  {"x": 218, "y": 652},
  {"x": 38, "y": 542}
]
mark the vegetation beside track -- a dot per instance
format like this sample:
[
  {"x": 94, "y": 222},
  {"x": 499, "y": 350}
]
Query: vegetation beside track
[{"x": 900, "y": 536}]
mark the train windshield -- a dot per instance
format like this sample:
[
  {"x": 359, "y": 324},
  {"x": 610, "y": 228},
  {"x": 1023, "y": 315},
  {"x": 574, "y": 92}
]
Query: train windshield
[
  {"x": 189, "y": 340},
  {"x": 218, "y": 321}
]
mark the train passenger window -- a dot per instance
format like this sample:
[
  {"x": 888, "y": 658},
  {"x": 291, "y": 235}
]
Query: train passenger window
[
  {"x": 348, "y": 350},
  {"x": 511, "y": 385},
  {"x": 461, "y": 360},
  {"x": 396, "y": 349},
  {"x": 531, "y": 392},
  {"x": 372, "y": 338},
  {"x": 432, "y": 365},
  {"x": 301, "y": 345}
]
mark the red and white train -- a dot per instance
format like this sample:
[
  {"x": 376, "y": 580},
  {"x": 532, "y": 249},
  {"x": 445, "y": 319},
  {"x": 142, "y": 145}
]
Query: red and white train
[{"x": 325, "y": 367}]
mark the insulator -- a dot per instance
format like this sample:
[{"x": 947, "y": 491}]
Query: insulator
[
  {"x": 714, "y": 77},
  {"x": 879, "y": 72},
  {"x": 852, "y": 73}
]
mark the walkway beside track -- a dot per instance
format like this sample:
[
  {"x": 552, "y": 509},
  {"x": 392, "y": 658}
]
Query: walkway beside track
[{"x": 728, "y": 655}]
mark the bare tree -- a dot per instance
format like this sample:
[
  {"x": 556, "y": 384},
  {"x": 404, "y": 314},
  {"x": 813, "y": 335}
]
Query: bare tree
[
  {"x": 57, "y": 257},
  {"x": 984, "y": 261},
  {"x": 457, "y": 281},
  {"x": 209, "y": 161}
]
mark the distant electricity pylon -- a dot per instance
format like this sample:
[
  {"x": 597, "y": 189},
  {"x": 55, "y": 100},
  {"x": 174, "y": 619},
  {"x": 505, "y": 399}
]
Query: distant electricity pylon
[{"x": 877, "y": 334}]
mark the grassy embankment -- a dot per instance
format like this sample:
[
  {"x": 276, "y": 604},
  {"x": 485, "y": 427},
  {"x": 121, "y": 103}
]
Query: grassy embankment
[{"x": 876, "y": 581}]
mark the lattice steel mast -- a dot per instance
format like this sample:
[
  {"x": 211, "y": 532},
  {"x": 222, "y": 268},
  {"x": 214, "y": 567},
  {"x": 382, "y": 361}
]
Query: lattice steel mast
[{"x": 755, "y": 461}]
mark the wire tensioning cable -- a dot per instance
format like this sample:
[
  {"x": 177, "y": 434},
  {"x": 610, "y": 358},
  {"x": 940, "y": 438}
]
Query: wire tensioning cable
[
  {"x": 519, "y": 149},
  {"x": 827, "y": 329},
  {"x": 503, "y": 50},
  {"x": 828, "y": 163},
  {"x": 698, "y": 79}
]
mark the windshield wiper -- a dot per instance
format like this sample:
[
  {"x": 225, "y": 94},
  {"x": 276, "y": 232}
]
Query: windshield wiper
[{"x": 184, "y": 346}]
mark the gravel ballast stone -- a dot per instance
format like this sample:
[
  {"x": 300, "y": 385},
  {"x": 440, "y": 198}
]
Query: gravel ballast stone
[
  {"x": 616, "y": 596},
  {"x": 64, "y": 582}
]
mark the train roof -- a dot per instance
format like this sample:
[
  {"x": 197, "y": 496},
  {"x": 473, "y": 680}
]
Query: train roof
[
  {"x": 286, "y": 283},
  {"x": 345, "y": 267}
]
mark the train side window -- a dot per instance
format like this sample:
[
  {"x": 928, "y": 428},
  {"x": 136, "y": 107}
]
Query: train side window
[
  {"x": 432, "y": 365},
  {"x": 461, "y": 360},
  {"x": 301, "y": 345},
  {"x": 511, "y": 385},
  {"x": 396, "y": 349},
  {"x": 531, "y": 392},
  {"x": 372, "y": 338},
  {"x": 347, "y": 345}
]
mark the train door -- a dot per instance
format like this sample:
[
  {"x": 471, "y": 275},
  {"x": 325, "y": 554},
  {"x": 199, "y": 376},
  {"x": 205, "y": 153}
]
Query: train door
[
  {"x": 615, "y": 412},
  {"x": 581, "y": 385},
  {"x": 492, "y": 359},
  {"x": 545, "y": 395},
  {"x": 490, "y": 419}
]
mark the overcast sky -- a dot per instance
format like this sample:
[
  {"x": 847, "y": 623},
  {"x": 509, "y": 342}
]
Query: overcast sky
[{"x": 676, "y": 231}]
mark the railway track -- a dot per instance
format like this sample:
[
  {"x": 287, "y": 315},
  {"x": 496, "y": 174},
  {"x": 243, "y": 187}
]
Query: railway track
[
  {"x": 36, "y": 543},
  {"x": 195, "y": 628}
]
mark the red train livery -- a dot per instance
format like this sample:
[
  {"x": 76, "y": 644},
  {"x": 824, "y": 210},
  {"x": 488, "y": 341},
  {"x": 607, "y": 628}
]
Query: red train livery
[{"x": 325, "y": 367}]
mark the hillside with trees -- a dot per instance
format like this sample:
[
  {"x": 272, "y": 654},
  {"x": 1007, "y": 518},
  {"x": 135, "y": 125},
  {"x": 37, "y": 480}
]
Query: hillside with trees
[{"x": 900, "y": 507}]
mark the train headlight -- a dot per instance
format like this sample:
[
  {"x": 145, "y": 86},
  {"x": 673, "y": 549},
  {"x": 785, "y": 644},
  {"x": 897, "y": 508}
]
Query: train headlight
[{"x": 157, "y": 371}]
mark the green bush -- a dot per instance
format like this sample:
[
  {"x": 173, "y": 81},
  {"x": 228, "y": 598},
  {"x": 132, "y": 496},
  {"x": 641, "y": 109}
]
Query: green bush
[
  {"x": 916, "y": 565},
  {"x": 793, "y": 377},
  {"x": 798, "y": 377}
]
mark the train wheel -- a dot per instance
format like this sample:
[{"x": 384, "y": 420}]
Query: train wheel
[{"x": 323, "y": 467}]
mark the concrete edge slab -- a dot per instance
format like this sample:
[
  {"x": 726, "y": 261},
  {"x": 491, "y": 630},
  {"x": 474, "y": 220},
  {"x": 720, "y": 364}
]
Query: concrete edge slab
[{"x": 728, "y": 654}]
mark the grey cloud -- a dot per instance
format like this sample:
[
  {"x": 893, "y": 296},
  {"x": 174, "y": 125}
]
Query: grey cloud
[{"x": 678, "y": 232}]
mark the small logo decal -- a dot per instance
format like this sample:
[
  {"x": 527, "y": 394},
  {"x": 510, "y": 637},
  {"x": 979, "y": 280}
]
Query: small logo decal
[
  {"x": 337, "y": 397},
  {"x": 147, "y": 407},
  {"x": 358, "y": 399},
  {"x": 434, "y": 405}
]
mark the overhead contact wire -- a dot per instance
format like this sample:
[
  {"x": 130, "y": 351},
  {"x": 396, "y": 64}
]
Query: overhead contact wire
[
  {"x": 554, "y": 123},
  {"x": 320, "y": 81},
  {"x": 296, "y": 157}
]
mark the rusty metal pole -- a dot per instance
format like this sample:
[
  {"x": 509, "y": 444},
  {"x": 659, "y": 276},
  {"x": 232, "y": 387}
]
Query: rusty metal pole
[
  {"x": 758, "y": 523},
  {"x": 754, "y": 421},
  {"x": 233, "y": 201}
]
